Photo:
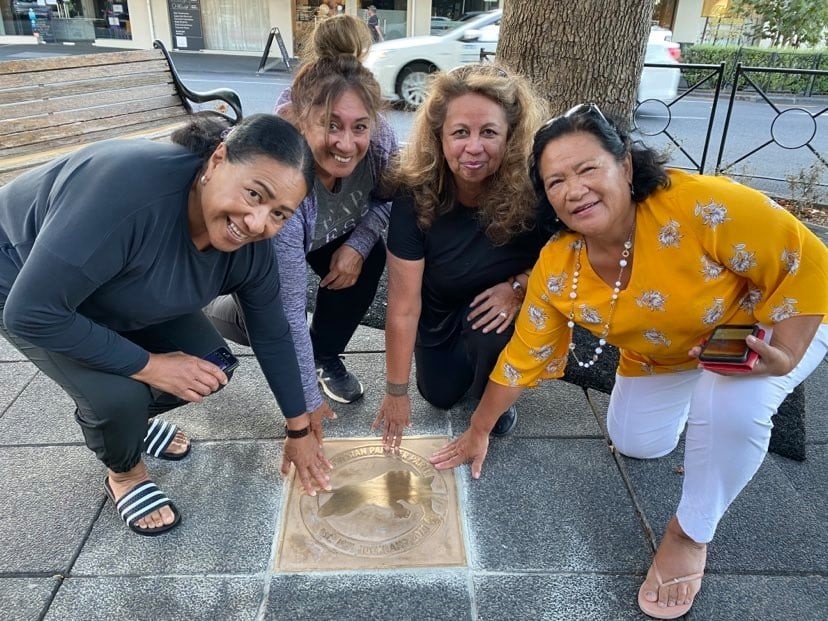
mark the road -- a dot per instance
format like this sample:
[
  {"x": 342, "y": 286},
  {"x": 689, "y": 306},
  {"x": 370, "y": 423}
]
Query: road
[{"x": 750, "y": 126}]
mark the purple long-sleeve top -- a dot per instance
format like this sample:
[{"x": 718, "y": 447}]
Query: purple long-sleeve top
[{"x": 294, "y": 241}]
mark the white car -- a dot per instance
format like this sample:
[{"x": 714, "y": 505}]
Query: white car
[{"x": 402, "y": 66}]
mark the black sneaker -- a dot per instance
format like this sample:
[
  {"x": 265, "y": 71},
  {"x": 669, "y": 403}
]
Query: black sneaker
[
  {"x": 337, "y": 382},
  {"x": 505, "y": 424}
]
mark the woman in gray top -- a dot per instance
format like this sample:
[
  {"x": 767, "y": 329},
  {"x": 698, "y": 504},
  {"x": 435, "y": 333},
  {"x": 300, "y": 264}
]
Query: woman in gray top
[
  {"x": 104, "y": 296},
  {"x": 334, "y": 101}
]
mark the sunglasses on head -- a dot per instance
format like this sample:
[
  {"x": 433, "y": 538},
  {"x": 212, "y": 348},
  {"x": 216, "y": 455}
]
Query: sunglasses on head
[{"x": 584, "y": 109}]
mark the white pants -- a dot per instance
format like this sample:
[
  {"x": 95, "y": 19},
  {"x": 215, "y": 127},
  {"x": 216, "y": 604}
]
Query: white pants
[{"x": 728, "y": 429}]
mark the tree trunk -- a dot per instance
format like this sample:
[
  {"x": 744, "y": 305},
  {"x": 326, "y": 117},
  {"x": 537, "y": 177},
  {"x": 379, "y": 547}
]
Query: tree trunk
[{"x": 577, "y": 51}]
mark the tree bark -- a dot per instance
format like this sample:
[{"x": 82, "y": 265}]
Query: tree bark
[{"x": 577, "y": 51}]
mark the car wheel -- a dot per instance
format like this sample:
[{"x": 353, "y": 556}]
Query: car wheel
[{"x": 412, "y": 85}]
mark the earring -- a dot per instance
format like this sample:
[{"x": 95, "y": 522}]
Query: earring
[{"x": 203, "y": 180}]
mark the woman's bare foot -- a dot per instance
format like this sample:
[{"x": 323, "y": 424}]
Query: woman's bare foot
[
  {"x": 677, "y": 556},
  {"x": 122, "y": 482},
  {"x": 179, "y": 445}
]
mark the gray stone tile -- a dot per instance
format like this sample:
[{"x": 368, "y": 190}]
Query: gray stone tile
[
  {"x": 367, "y": 339},
  {"x": 245, "y": 408},
  {"x": 354, "y": 419},
  {"x": 229, "y": 495},
  {"x": 42, "y": 414},
  {"x": 49, "y": 497},
  {"x": 770, "y": 527},
  {"x": 13, "y": 378},
  {"x": 8, "y": 353},
  {"x": 191, "y": 598},
  {"x": 816, "y": 405},
  {"x": 762, "y": 598},
  {"x": 370, "y": 596},
  {"x": 557, "y": 598},
  {"x": 554, "y": 409},
  {"x": 808, "y": 477},
  {"x": 552, "y": 505},
  {"x": 24, "y": 599}
]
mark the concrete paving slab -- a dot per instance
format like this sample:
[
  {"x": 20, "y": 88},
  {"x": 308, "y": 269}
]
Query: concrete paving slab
[
  {"x": 25, "y": 599},
  {"x": 770, "y": 527},
  {"x": 42, "y": 414},
  {"x": 816, "y": 404},
  {"x": 197, "y": 598},
  {"x": 808, "y": 477},
  {"x": 762, "y": 598},
  {"x": 13, "y": 379},
  {"x": 355, "y": 418},
  {"x": 8, "y": 353},
  {"x": 556, "y": 597},
  {"x": 367, "y": 339},
  {"x": 229, "y": 496},
  {"x": 552, "y": 505},
  {"x": 554, "y": 409},
  {"x": 244, "y": 409},
  {"x": 370, "y": 596},
  {"x": 49, "y": 497}
]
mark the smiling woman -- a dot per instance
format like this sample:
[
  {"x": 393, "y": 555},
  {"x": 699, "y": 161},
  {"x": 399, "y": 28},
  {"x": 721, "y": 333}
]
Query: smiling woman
[
  {"x": 335, "y": 103},
  {"x": 104, "y": 296}
]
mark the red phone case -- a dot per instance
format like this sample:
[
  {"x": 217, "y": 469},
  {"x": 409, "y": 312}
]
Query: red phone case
[{"x": 735, "y": 367}]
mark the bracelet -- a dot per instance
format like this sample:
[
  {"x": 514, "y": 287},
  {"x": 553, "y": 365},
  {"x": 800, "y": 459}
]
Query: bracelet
[
  {"x": 396, "y": 390},
  {"x": 297, "y": 433}
]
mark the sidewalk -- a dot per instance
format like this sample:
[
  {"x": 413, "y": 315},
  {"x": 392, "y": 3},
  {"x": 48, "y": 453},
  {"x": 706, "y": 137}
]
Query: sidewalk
[{"x": 557, "y": 527}]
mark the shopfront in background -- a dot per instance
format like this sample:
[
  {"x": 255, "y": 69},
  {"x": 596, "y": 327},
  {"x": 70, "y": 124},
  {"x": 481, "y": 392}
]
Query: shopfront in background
[{"x": 66, "y": 20}]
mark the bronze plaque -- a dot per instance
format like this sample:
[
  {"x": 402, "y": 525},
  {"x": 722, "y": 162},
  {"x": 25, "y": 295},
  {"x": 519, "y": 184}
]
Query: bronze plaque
[{"x": 384, "y": 511}]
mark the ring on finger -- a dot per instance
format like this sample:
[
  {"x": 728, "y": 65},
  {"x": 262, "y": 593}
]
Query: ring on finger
[{"x": 503, "y": 314}]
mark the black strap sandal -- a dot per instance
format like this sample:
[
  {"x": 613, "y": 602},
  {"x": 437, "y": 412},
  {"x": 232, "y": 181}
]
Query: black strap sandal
[
  {"x": 158, "y": 439},
  {"x": 139, "y": 502}
]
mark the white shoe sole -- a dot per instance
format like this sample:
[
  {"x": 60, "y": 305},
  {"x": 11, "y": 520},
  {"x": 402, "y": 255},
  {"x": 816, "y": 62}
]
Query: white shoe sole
[{"x": 339, "y": 399}]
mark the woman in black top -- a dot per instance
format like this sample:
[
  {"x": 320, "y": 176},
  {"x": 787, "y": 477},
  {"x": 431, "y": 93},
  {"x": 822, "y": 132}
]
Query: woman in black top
[
  {"x": 462, "y": 239},
  {"x": 104, "y": 293}
]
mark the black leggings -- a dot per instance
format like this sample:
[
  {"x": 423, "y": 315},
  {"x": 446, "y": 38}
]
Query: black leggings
[
  {"x": 446, "y": 373},
  {"x": 338, "y": 311},
  {"x": 113, "y": 410}
]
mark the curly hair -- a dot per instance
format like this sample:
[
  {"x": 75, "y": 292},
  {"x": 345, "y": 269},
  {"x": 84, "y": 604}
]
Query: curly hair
[
  {"x": 507, "y": 204},
  {"x": 648, "y": 172}
]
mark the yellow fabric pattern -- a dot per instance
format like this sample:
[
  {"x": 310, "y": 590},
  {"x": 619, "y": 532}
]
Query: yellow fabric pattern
[{"x": 707, "y": 251}]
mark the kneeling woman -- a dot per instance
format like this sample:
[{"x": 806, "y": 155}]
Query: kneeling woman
[
  {"x": 104, "y": 294},
  {"x": 652, "y": 261}
]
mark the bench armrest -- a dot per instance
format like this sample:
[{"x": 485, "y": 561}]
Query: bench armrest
[{"x": 229, "y": 96}]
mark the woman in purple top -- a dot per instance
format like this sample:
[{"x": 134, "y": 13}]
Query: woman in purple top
[{"x": 334, "y": 101}]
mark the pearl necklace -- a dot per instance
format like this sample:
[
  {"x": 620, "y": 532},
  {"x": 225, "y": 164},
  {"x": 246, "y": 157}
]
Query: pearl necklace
[{"x": 573, "y": 295}]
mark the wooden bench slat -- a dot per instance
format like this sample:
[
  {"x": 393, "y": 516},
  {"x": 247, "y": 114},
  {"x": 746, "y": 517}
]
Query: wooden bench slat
[
  {"x": 151, "y": 131},
  {"x": 23, "y": 111},
  {"x": 84, "y": 133},
  {"x": 33, "y": 65},
  {"x": 112, "y": 112},
  {"x": 22, "y": 80},
  {"x": 40, "y": 92}
]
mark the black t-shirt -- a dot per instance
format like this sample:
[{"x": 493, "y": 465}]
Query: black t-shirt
[{"x": 460, "y": 262}]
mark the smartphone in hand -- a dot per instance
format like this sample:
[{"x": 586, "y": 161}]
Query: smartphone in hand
[
  {"x": 727, "y": 351},
  {"x": 223, "y": 359}
]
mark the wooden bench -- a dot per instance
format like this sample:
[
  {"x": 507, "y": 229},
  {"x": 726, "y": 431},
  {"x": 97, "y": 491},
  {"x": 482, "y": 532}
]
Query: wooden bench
[{"x": 51, "y": 106}]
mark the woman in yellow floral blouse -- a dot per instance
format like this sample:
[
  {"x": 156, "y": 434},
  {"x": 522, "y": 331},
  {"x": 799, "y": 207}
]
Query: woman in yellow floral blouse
[{"x": 651, "y": 261}]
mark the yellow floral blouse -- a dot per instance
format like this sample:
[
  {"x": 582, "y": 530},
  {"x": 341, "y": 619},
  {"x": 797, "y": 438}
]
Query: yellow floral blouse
[{"x": 707, "y": 251}]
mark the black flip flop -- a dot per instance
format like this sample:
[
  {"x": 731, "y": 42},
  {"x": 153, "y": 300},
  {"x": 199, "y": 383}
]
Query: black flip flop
[
  {"x": 158, "y": 439},
  {"x": 140, "y": 501}
]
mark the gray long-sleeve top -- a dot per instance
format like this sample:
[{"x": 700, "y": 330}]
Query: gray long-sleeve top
[
  {"x": 294, "y": 241},
  {"x": 97, "y": 243}
]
